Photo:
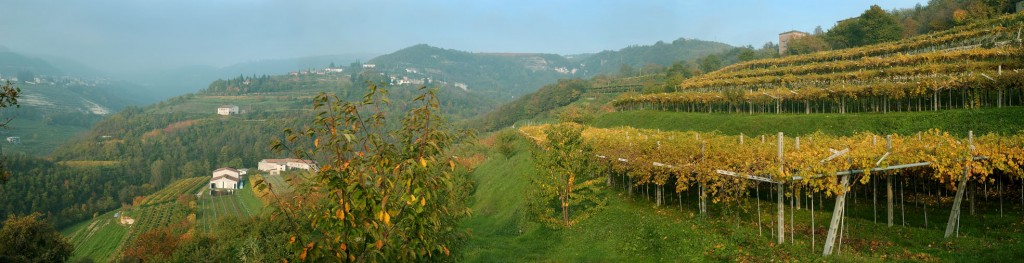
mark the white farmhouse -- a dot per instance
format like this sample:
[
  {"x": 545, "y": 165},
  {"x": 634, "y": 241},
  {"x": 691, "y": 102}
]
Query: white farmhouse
[
  {"x": 276, "y": 166},
  {"x": 226, "y": 179},
  {"x": 227, "y": 110}
]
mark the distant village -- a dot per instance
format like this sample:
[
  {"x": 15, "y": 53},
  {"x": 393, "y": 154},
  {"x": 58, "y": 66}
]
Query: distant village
[
  {"x": 33, "y": 79},
  {"x": 406, "y": 76}
]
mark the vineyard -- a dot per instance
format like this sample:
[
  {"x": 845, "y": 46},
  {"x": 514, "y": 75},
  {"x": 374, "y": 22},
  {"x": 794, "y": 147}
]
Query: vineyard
[
  {"x": 971, "y": 66},
  {"x": 241, "y": 203},
  {"x": 928, "y": 169},
  {"x": 104, "y": 238}
]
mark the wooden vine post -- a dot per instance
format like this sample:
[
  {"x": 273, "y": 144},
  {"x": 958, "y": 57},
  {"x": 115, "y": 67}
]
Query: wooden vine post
[
  {"x": 954, "y": 214},
  {"x": 888, "y": 181},
  {"x": 837, "y": 215},
  {"x": 840, "y": 207},
  {"x": 780, "y": 195}
]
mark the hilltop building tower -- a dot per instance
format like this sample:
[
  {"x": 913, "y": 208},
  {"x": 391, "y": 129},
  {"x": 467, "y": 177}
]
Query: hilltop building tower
[{"x": 785, "y": 37}]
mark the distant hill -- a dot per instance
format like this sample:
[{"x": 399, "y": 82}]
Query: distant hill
[
  {"x": 171, "y": 82},
  {"x": 59, "y": 98},
  {"x": 661, "y": 53},
  {"x": 12, "y": 63},
  {"x": 499, "y": 75},
  {"x": 508, "y": 75}
]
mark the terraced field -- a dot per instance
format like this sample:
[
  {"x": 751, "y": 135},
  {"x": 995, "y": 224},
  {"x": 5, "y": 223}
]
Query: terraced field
[
  {"x": 103, "y": 238},
  {"x": 210, "y": 208}
]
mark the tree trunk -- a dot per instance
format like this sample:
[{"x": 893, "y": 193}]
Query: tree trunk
[
  {"x": 565, "y": 210},
  {"x": 813, "y": 230},
  {"x": 874, "y": 200},
  {"x": 781, "y": 213},
  {"x": 757, "y": 191},
  {"x": 903, "y": 205},
  {"x": 888, "y": 190}
]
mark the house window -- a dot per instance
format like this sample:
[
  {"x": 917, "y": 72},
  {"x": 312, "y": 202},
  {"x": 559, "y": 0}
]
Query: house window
[{"x": 213, "y": 185}]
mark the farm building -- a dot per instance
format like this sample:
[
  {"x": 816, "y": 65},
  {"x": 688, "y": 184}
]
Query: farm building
[
  {"x": 276, "y": 166},
  {"x": 226, "y": 178},
  {"x": 227, "y": 110}
]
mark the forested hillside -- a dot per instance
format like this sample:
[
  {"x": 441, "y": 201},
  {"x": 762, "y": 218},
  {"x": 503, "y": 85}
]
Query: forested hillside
[
  {"x": 494, "y": 75},
  {"x": 633, "y": 60},
  {"x": 140, "y": 150}
]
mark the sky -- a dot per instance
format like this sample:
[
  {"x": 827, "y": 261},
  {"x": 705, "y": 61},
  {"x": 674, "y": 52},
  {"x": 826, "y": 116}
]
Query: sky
[{"x": 115, "y": 35}]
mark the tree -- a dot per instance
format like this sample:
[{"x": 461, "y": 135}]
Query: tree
[
  {"x": 567, "y": 175},
  {"x": 709, "y": 63},
  {"x": 871, "y": 27},
  {"x": 806, "y": 45},
  {"x": 505, "y": 142},
  {"x": 153, "y": 245},
  {"x": 877, "y": 26},
  {"x": 746, "y": 54},
  {"x": 626, "y": 70},
  {"x": 8, "y": 97},
  {"x": 383, "y": 192},
  {"x": 28, "y": 239}
]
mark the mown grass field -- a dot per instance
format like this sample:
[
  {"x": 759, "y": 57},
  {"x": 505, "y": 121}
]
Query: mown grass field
[
  {"x": 632, "y": 229},
  {"x": 90, "y": 163},
  {"x": 995, "y": 120},
  {"x": 204, "y": 104}
]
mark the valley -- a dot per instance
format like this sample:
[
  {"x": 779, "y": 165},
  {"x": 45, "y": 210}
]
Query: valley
[{"x": 896, "y": 134}]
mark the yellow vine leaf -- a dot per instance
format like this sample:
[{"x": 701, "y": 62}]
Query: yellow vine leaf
[{"x": 423, "y": 162}]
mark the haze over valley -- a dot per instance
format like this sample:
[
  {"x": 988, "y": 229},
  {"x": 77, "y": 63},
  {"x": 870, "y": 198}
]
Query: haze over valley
[{"x": 484, "y": 131}]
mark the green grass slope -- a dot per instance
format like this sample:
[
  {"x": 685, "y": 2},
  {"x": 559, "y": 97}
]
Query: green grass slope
[{"x": 1005, "y": 120}]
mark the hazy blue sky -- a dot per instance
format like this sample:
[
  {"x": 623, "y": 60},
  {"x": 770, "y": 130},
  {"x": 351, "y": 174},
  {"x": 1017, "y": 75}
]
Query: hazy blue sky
[{"x": 132, "y": 34}]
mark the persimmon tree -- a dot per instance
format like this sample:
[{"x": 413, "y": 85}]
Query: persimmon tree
[
  {"x": 8, "y": 97},
  {"x": 381, "y": 191},
  {"x": 567, "y": 175}
]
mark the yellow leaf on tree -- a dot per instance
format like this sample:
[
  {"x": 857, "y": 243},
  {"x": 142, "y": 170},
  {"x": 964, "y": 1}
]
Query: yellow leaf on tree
[
  {"x": 423, "y": 162},
  {"x": 380, "y": 244}
]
